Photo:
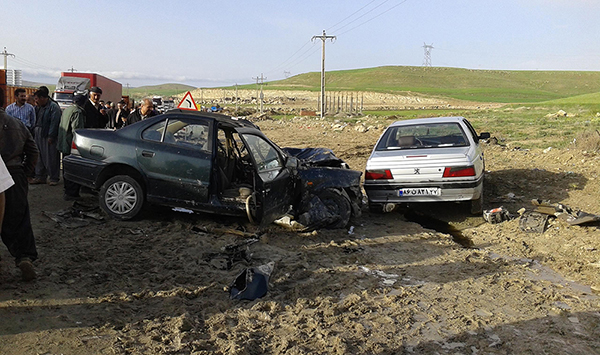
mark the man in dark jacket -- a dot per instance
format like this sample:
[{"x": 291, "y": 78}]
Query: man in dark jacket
[
  {"x": 145, "y": 111},
  {"x": 94, "y": 118},
  {"x": 46, "y": 132},
  {"x": 121, "y": 116},
  {"x": 72, "y": 118},
  {"x": 20, "y": 154}
]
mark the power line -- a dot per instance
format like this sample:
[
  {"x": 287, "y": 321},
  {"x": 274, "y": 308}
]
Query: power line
[
  {"x": 300, "y": 59},
  {"x": 352, "y": 14},
  {"x": 31, "y": 64},
  {"x": 297, "y": 58},
  {"x": 290, "y": 57},
  {"x": 363, "y": 15},
  {"x": 374, "y": 17}
]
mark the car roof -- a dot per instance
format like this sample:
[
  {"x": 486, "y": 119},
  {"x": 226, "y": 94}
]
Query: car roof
[
  {"x": 428, "y": 120},
  {"x": 219, "y": 117}
]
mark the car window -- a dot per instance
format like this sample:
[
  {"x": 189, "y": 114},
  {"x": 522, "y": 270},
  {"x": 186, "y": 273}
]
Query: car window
[
  {"x": 430, "y": 135},
  {"x": 267, "y": 159},
  {"x": 472, "y": 131},
  {"x": 154, "y": 132},
  {"x": 191, "y": 134}
]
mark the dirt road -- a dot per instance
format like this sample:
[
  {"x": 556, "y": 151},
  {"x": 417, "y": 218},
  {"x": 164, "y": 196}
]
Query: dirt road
[{"x": 385, "y": 286}]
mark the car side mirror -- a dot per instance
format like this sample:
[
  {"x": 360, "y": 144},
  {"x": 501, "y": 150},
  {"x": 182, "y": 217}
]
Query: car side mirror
[
  {"x": 291, "y": 162},
  {"x": 484, "y": 135}
]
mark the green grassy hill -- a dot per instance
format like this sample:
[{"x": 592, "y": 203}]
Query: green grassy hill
[
  {"x": 157, "y": 90},
  {"x": 507, "y": 86}
]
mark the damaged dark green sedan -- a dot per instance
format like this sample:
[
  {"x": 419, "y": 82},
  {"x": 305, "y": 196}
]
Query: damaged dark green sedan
[{"x": 212, "y": 163}]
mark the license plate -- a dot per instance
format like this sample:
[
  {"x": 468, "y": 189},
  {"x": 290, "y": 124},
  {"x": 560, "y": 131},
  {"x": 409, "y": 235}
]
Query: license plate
[{"x": 422, "y": 191}]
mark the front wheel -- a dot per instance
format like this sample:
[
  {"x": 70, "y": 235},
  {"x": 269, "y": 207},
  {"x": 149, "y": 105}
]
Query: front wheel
[
  {"x": 338, "y": 205},
  {"x": 121, "y": 197}
]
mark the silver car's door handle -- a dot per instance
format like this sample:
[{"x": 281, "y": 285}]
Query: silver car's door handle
[{"x": 147, "y": 154}]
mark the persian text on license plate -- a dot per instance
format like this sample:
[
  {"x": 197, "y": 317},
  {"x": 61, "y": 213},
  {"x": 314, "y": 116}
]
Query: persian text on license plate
[{"x": 422, "y": 191}]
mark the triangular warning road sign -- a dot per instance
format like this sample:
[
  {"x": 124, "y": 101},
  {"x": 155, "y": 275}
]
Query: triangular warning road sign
[{"x": 188, "y": 103}]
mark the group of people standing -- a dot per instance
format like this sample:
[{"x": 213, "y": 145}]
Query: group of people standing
[{"x": 32, "y": 137}]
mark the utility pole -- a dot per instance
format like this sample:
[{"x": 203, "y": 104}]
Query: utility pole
[
  {"x": 323, "y": 38},
  {"x": 236, "y": 99},
  {"x": 427, "y": 59},
  {"x": 6, "y": 54},
  {"x": 72, "y": 70},
  {"x": 262, "y": 78},
  {"x": 127, "y": 85}
]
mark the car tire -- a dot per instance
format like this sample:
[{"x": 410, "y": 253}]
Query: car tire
[
  {"x": 477, "y": 205},
  {"x": 338, "y": 204},
  {"x": 121, "y": 197}
]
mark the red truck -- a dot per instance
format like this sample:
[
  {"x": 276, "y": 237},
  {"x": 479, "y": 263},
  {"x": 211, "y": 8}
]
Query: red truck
[{"x": 72, "y": 83}]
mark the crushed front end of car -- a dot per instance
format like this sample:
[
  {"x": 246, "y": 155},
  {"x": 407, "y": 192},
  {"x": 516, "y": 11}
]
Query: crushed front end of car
[{"x": 328, "y": 191}]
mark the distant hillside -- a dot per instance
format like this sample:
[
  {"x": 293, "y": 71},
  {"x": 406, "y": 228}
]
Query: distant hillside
[
  {"x": 466, "y": 84},
  {"x": 34, "y": 84},
  {"x": 157, "y": 90}
]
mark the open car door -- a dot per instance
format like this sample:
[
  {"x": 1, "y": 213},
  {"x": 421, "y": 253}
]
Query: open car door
[{"x": 274, "y": 181}]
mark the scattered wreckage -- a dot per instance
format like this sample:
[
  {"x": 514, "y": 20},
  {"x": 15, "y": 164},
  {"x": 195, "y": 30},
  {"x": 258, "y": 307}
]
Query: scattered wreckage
[
  {"x": 535, "y": 220},
  {"x": 212, "y": 163}
]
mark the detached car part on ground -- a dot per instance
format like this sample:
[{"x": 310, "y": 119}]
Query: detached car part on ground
[
  {"x": 212, "y": 163},
  {"x": 426, "y": 160}
]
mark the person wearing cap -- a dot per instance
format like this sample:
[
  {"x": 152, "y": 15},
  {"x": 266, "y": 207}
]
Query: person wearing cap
[
  {"x": 72, "y": 118},
  {"x": 94, "y": 118},
  {"x": 45, "y": 133}
]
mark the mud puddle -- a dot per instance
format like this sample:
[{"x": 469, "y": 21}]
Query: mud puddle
[{"x": 429, "y": 222}]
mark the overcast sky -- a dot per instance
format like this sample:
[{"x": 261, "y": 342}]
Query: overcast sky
[{"x": 216, "y": 43}]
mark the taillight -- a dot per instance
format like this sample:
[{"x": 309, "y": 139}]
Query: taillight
[
  {"x": 459, "y": 171},
  {"x": 378, "y": 174},
  {"x": 74, "y": 149}
]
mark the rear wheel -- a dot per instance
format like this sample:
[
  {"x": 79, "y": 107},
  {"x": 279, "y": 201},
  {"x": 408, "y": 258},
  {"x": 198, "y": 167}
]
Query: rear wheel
[
  {"x": 121, "y": 197},
  {"x": 477, "y": 205}
]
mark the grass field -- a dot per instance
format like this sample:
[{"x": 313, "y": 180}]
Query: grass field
[
  {"x": 157, "y": 90},
  {"x": 502, "y": 86}
]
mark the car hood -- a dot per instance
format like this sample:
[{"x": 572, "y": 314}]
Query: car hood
[{"x": 315, "y": 157}]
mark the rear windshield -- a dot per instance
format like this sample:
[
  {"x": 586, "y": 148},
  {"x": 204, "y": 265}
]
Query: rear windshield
[
  {"x": 431, "y": 135},
  {"x": 63, "y": 97}
]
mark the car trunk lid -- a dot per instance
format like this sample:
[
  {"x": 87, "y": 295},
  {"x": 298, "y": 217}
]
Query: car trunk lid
[{"x": 418, "y": 164}]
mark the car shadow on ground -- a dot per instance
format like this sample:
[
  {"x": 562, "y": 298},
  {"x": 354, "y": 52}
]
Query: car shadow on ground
[
  {"x": 510, "y": 188},
  {"x": 515, "y": 188}
]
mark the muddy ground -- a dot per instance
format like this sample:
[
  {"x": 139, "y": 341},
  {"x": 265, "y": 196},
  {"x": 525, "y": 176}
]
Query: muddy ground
[{"x": 387, "y": 285}]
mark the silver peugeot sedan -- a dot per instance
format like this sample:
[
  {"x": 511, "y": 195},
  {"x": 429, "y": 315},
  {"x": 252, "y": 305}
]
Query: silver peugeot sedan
[{"x": 426, "y": 160}]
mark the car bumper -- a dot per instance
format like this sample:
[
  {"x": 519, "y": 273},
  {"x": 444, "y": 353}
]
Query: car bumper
[
  {"x": 82, "y": 171},
  {"x": 450, "y": 191}
]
